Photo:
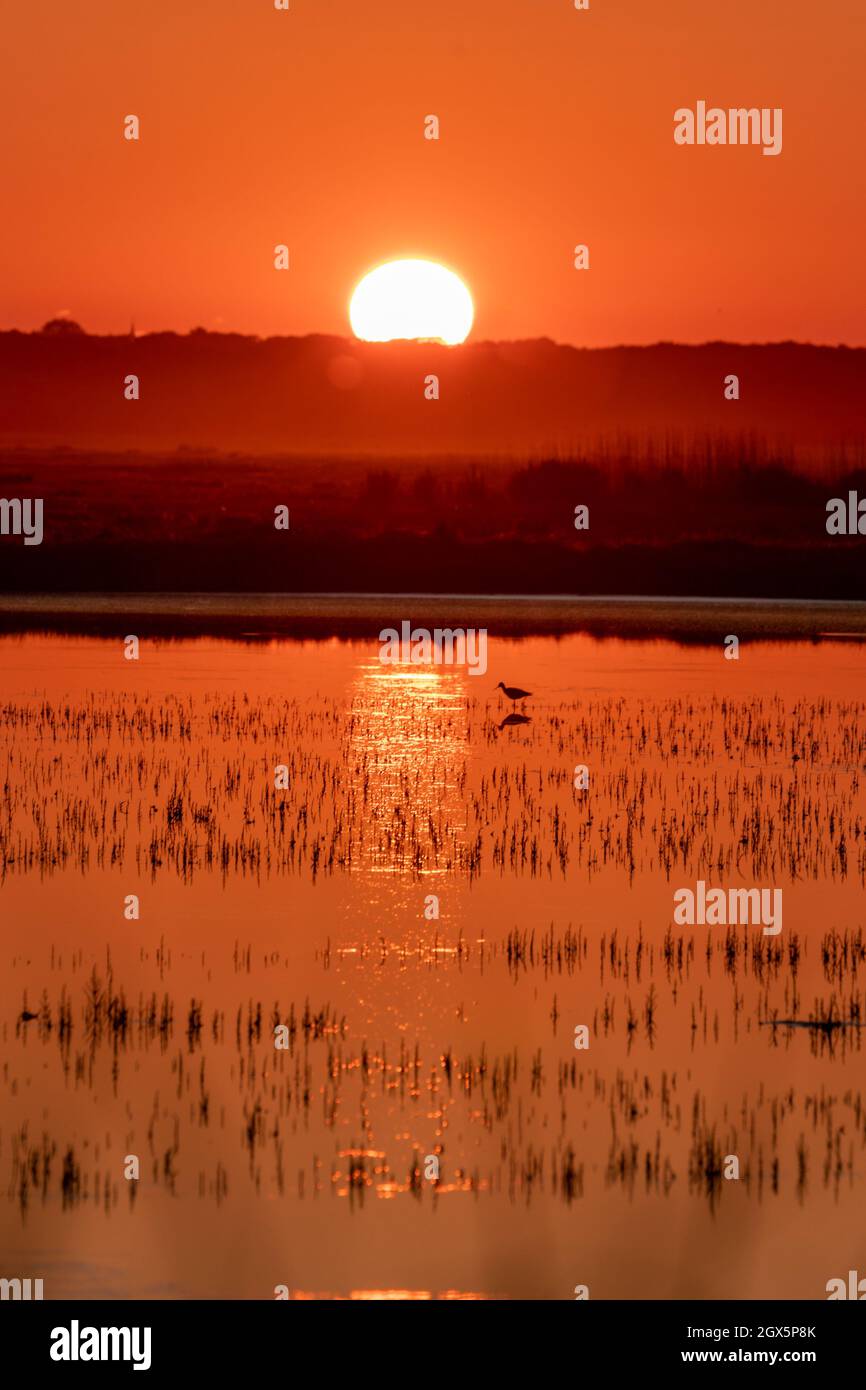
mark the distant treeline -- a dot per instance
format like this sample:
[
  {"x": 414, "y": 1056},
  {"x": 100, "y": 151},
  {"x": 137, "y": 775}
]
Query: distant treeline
[{"x": 336, "y": 396}]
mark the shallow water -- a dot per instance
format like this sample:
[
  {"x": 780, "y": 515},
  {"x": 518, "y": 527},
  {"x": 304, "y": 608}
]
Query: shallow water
[{"x": 413, "y": 1038}]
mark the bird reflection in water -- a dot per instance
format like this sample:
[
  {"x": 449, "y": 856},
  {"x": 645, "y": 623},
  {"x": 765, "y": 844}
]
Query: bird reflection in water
[{"x": 511, "y": 719}]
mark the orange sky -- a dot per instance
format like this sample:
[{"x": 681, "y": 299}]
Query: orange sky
[{"x": 306, "y": 127}]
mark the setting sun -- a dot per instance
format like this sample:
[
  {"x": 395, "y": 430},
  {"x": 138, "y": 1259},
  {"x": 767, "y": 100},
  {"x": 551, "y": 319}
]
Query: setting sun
[{"x": 411, "y": 299}]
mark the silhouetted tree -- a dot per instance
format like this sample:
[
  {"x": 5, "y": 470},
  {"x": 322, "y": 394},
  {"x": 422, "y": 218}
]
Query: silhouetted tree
[{"x": 60, "y": 328}]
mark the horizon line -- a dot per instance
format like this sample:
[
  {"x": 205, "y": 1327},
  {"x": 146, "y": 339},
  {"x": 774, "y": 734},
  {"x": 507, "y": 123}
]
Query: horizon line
[{"x": 77, "y": 331}]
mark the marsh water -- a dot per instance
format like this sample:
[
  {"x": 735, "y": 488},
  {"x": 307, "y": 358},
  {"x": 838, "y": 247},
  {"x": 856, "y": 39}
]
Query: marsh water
[{"x": 419, "y": 1043}]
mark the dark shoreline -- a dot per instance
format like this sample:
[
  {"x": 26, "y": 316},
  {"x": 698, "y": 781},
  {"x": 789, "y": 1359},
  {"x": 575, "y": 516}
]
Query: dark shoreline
[
  {"x": 726, "y": 519},
  {"x": 264, "y": 617}
]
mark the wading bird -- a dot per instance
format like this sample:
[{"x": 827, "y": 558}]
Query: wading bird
[{"x": 513, "y": 692}]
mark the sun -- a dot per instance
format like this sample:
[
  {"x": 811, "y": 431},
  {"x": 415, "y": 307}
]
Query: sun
[{"x": 411, "y": 299}]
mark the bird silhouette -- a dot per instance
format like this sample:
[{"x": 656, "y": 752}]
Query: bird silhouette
[{"x": 513, "y": 692}]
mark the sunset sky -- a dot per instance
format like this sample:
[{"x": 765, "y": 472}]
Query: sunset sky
[{"x": 260, "y": 127}]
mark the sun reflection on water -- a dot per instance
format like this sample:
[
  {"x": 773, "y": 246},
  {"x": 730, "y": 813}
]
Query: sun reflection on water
[{"x": 409, "y": 742}]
